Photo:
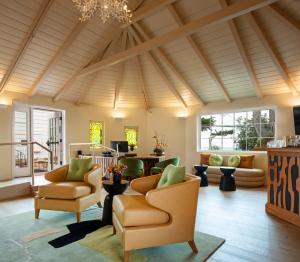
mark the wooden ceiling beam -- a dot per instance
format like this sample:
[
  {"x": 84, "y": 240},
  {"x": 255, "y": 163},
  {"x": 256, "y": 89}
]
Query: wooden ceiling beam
[
  {"x": 170, "y": 65},
  {"x": 159, "y": 70},
  {"x": 204, "y": 61},
  {"x": 97, "y": 57},
  {"x": 121, "y": 69},
  {"x": 26, "y": 42},
  {"x": 61, "y": 51},
  {"x": 279, "y": 64},
  {"x": 285, "y": 18},
  {"x": 141, "y": 78},
  {"x": 242, "y": 51},
  {"x": 148, "y": 9},
  {"x": 230, "y": 12}
]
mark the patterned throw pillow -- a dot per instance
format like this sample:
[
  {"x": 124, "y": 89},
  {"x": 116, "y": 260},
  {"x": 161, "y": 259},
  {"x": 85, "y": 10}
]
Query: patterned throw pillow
[
  {"x": 247, "y": 161},
  {"x": 215, "y": 160},
  {"x": 204, "y": 159},
  {"x": 234, "y": 160}
]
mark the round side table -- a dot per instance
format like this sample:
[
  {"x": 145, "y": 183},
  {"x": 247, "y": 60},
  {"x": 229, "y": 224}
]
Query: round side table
[
  {"x": 201, "y": 172},
  {"x": 227, "y": 182},
  {"x": 112, "y": 190}
]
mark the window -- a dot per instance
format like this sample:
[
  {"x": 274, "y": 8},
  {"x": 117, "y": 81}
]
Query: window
[
  {"x": 96, "y": 132},
  {"x": 131, "y": 135},
  {"x": 237, "y": 130}
]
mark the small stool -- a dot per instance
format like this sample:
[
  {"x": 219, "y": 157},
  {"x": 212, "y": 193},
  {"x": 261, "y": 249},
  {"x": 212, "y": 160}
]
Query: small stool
[
  {"x": 227, "y": 182},
  {"x": 201, "y": 172}
]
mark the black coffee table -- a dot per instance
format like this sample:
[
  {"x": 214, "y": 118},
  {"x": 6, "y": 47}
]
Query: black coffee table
[
  {"x": 112, "y": 190},
  {"x": 201, "y": 172},
  {"x": 227, "y": 182}
]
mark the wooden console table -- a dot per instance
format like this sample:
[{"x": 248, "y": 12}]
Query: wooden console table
[
  {"x": 150, "y": 161},
  {"x": 283, "y": 183}
]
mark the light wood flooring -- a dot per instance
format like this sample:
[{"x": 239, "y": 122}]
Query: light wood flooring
[{"x": 239, "y": 217}]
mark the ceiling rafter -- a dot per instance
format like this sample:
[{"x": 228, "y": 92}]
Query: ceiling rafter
[
  {"x": 141, "y": 78},
  {"x": 26, "y": 42},
  {"x": 73, "y": 78},
  {"x": 93, "y": 78},
  {"x": 242, "y": 51},
  {"x": 61, "y": 51},
  {"x": 148, "y": 9},
  {"x": 279, "y": 64},
  {"x": 170, "y": 65},
  {"x": 204, "y": 61},
  {"x": 121, "y": 69},
  {"x": 159, "y": 70},
  {"x": 230, "y": 12},
  {"x": 285, "y": 18}
]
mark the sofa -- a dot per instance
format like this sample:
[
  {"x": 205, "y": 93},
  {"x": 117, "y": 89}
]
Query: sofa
[{"x": 244, "y": 177}]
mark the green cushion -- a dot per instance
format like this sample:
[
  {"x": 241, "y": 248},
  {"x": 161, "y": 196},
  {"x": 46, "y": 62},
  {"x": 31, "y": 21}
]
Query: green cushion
[
  {"x": 234, "y": 160},
  {"x": 155, "y": 170},
  {"x": 78, "y": 168},
  {"x": 215, "y": 160},
  {"x": 171, "y": 175}
]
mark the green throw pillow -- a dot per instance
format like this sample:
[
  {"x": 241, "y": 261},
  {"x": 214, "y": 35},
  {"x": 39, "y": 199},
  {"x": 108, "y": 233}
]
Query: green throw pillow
[
  {"x": 78, "y": 168},
  {"x": 215, "y": 160},
  {"x": 234, "y": 160},
  {"x": 171, "y": 175}
]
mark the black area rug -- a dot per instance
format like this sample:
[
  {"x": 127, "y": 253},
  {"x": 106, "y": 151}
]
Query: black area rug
[{"x": 77, "y": 231}]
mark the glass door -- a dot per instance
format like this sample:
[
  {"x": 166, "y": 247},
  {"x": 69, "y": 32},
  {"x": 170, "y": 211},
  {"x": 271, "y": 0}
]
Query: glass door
[
  {"x": 21, "y": 133},
  {"x": 55, "y": 138}
]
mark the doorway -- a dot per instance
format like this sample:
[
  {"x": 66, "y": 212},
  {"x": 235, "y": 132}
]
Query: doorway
[{"x": 42, "y": 125}]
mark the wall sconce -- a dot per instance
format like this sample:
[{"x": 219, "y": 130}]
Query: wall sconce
[
  {"x": 5, "y": 102},
  {"x": 118, "y": 115},
  {"x": 182, "y": 114}
]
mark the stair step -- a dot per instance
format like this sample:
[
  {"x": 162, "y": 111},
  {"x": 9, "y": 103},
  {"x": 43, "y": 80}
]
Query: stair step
[{"x": 15, "y": 191}]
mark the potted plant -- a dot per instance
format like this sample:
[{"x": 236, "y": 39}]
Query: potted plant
[
  {"x": 116, "y": 172},
  {"x": 160, "y": 145},
  {"x": 131, "y": 147}
]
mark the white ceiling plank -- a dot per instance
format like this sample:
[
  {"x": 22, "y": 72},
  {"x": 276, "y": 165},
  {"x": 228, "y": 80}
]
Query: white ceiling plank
[
  {"x": 160, "y": 71},
  {"x": 284, "y": 18},
  {"x": 230, "y": 12},
  {"x": 242, "y": 51},
  {"x": 171, "y": 66},
  {"x": 200, "y": 55},
  {"x": 141, "y": 78},
  {"x": 67, "y": 43},
  {"x": 121, "y": 69},
  {"x": 272, "y": 53},
  {"x": 26, "y": 42}
]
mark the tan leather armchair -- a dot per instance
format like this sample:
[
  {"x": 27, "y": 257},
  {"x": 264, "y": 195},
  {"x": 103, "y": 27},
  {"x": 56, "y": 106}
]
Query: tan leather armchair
[
  {"x": 62, "y": 195},
  {"x": 159, "y": 216}
]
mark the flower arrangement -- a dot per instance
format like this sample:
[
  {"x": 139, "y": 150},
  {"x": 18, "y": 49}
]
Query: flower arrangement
[
  {"x": 116, "y": 170},
  {"x": 160, "y": 144}
]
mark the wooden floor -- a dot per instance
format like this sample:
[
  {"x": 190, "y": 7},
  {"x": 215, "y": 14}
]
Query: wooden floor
[{"x": 239, "y": 217}]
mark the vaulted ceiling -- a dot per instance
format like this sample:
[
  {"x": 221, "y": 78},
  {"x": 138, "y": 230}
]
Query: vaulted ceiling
[{"x": 175, "y": 53}]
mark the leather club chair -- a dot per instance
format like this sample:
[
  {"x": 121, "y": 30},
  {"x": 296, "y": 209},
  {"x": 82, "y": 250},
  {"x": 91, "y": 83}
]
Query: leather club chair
[
  {"x": 160, "y": 166},
  {"x": 163, "y": 216},
  {"x": 71, "y": 196}
]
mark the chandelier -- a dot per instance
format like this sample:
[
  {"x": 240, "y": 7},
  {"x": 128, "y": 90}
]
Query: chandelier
[{"x": 116, "y": 9}]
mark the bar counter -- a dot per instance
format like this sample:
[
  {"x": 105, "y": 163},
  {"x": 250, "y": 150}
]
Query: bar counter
[{"x": 283, "y": 183}]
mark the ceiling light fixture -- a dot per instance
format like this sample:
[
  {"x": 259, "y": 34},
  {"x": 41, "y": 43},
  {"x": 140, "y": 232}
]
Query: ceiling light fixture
[{"x": 116, "y": 9}]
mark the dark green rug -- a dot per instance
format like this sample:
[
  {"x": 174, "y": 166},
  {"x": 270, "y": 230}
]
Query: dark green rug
[{"x": 23, "y": 238}]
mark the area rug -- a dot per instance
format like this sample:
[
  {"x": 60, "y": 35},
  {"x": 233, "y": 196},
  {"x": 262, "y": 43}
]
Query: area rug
[{"x": 23, "y": 238}]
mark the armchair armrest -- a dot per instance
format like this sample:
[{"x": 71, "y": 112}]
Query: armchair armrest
[
  {"x": 144, "y": 184},
  {"x": 57, "y": 175},
  {"x": 94, "y": 177}
]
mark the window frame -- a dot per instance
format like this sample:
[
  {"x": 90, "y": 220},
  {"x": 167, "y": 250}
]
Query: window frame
[
  {"x": 103, "y": 135},
  {"x": 239, "y": 110}
]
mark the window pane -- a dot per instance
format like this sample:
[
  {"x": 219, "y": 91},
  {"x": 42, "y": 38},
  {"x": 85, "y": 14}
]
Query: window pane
[
  {"x": 216, "y": 144},
  {"x": 241, "y": 118},
  {"x": 216, "y": 132},
  {"x": 264, "y": 141},
  {"x": 228, "y": 144},
  {"x": 253, "y": 116},
  {"x": 205, "y": 120},
  {"x": 240, "y": 144},
  {"x": 252, "y": 143},
  {"x": 204, "y": 144},
  {"x": 267, "y": 116},
  {"x": 131, "y": 135},
  {"x": 228, "y": 119},
  {"x": 228, "y": 131},
  {"x": 96, "y": 132},
  {"x": 267, "y": 130},
  {"x": 216, "y": 120},
  {"x": 205, "y": 132},
  {"x": 253, "y": 131}
]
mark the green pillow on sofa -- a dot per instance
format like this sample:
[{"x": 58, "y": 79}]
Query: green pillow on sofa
[
  {"x": 234, "y": 160},
  {"x": 78, "y": 168},
  {"x": 215, "y": 160},
  {"x": 171, "y": 175}
]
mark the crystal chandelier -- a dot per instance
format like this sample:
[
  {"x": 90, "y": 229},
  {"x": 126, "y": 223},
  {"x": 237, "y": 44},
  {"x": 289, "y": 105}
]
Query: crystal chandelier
[{"x": 106, "y": 9}]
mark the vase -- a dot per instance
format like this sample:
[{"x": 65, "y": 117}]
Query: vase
[
  {"x": 159, "y": 152},
  {"x": 117, "y": 177}
]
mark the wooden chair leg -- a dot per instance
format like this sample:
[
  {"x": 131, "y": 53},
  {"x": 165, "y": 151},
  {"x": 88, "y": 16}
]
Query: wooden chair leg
[
  {"x": 78, "y": 215},
  {"x": 126, "y": 256},
  {"x": 37, "y": 213},
  {"x": 193, "y": 246}
]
